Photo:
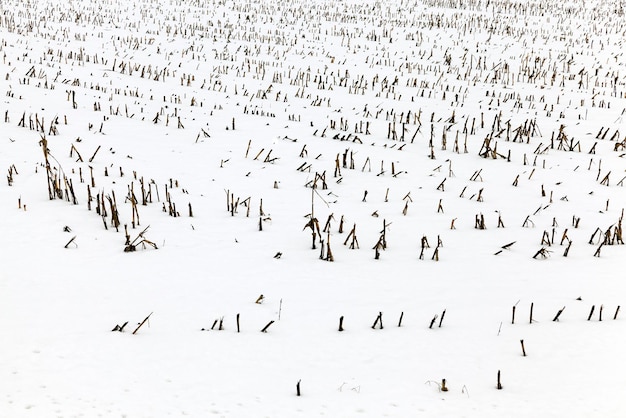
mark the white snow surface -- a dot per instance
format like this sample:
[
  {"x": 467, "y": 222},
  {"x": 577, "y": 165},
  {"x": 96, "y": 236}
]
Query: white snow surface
[{"x": 255, "y": 101}]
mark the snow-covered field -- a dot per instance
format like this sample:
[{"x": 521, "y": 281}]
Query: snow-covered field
[{"x": 477, "y": 149}]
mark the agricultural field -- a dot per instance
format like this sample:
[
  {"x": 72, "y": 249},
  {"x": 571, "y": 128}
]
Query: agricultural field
[{"x": 348, "y": 208}]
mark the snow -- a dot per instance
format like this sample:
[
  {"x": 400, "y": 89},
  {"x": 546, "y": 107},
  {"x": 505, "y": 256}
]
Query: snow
[{"x": 268, "y": 67}]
